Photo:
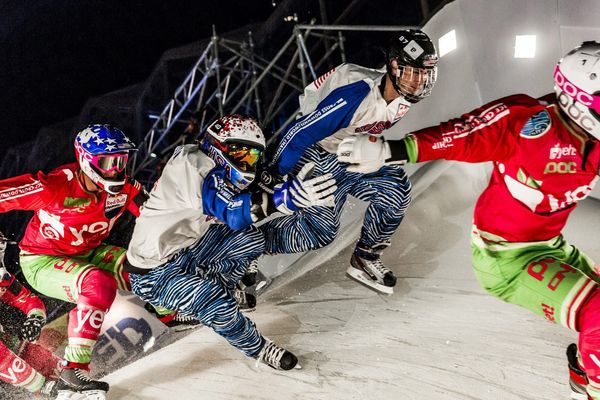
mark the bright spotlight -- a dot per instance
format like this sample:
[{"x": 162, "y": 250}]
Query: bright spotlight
[
  {"x": 447, "y": 43},
  {"x": 525, "y": 46}
]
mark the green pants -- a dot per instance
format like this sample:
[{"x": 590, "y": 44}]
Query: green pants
[
  {"x": 58, "y": 276},
  {"x": 550, "y": 278}
]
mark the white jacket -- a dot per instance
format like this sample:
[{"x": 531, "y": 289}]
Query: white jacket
[{"x": 172, "y": 217}]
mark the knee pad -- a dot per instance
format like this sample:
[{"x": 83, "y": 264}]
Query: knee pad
[{"x": 97, "y": 290}]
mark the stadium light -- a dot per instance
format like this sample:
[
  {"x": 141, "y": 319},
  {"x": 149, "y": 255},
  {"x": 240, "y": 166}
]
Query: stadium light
[
  {"x": 447, "y": 43},
  {"x": 525, "y": 46}
]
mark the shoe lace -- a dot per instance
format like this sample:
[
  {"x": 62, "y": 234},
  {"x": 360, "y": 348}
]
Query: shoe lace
[
  {"x": 271, "y": 354},
  {"x": 184, "y": 318},
  {"x": 252, "y": 267},
  {"x": 378, "y": 266},
  {"x": 82, "y": 375},
  {"x": 239, "y": 296}
]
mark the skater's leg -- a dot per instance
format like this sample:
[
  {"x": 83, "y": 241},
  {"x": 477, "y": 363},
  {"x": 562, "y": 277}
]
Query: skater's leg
[
  {"x": 92, "y": 290},
  {"x": 18, "y": 372},
  {"x": 77, "y": 281},
  {"x": 551, "y": 279},
  {"x": 589, "y": 342},
  {"x": 388, "y": 194},
  {"x": 224, "y": 252}
]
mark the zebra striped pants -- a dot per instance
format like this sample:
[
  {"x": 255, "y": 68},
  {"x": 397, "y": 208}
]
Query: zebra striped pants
[
  {"x": 200, "y": 282},
  {"x": 387, "y": 191}
]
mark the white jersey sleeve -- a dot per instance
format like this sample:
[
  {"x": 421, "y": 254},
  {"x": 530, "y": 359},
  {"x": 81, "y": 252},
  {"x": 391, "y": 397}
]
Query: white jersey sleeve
[{"x": 172, "y": 217}]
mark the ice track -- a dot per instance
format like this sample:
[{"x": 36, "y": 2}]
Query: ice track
[{"x": 439, "y": 336}]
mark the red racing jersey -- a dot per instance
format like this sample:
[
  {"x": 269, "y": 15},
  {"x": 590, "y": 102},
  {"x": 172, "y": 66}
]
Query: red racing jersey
[
  {"x": 541, "y": 166},
  {"x": 67, "y": 219}
]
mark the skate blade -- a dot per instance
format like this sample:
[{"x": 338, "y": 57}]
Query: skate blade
[
  {"x": 363, "y": 278},
  {"x": 183, "y": 328},
  {"x": 70, "y": 395},
  {"x": 94, "y": 395},
  {"x": 579, "y": 396}
]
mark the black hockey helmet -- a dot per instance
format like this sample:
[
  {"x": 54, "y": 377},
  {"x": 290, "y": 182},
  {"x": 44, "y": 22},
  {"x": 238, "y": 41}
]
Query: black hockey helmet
[{"x": 417, "y": 60}]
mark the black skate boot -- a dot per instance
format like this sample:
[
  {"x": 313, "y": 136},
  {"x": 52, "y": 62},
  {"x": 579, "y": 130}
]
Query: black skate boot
[
  {"x": 578, "y": 380},
  {"x": 277, "y": 357},
  {"x": 77, "y": 380},
  {"x": 172, "y": 319},
  {"x": 249, "y": 278},
  {"x": 246, "y": 301},
  {"x": 366, "y": 268}
]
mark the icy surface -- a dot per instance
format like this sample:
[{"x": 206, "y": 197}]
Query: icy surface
[{"x": 439, "y": 336}]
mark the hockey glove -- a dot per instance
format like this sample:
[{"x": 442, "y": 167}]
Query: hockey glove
[
  {"x": 364, "y": 153},
  {"x": 301, "y": 192},
  {"x": 32, "y": 327}
]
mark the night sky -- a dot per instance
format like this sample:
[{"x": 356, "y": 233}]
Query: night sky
[{"x": 55, "y": 54}]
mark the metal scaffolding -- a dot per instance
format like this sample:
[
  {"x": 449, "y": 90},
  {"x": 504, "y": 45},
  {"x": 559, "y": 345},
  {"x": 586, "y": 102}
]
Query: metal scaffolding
[{"x": 233, "y": 77}]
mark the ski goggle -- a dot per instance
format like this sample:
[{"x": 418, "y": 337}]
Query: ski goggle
[
  {"x": 244, "y": 157},
  {"x": 110, "y": 162}
]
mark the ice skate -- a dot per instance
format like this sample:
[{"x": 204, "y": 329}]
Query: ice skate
[
  {"x": 277, "y": 357},
  {"x": 249, "y": 278},
  {"x": 76, "y": 384},
  {"x": 253, "y": 278},
  {"x": 577, "y": 377},
  {"x": 246, "y": 301},
  {"x": 366, "y": 268}
]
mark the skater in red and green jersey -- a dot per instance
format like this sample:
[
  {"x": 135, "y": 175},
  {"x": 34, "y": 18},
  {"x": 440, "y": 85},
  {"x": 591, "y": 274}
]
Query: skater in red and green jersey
[
  {"x": 62, "y": 252},
  {"x": 546, "y": 158}
]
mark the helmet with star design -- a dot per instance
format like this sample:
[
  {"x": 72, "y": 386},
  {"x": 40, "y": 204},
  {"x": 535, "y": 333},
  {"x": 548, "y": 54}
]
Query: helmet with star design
[{"x": 102, "y": 152}]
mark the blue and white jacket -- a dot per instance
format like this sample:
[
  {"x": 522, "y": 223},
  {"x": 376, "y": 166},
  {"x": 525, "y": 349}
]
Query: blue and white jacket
[
  {"x": 190, "y": 196},
  {"x": 345, "y": 101}
]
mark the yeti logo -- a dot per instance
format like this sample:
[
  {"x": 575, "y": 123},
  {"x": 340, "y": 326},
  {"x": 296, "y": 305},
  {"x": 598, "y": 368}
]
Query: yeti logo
[{"x": 50, "y": 226}]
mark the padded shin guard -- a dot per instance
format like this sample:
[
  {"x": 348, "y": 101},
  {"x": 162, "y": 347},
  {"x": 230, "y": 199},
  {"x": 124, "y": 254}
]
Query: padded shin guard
[
  {"x": 589, "y": 342},
  {"x": 97, "y": 291},
  {"x": 16, "y": 371}
]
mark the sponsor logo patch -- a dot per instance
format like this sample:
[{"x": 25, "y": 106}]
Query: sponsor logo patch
[
  {"x": 557, "y": 152},
  {"x": 76, "y": 202},
  {"x": 113, "y": 204},
  {"x": 413, "y": 49},
  {"x": 375, "y": 128},
  {"x": 537, "y": 125}
]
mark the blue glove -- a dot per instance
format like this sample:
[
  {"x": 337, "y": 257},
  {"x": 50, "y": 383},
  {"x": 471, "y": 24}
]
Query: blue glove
[{"x": 300, "y": 192}]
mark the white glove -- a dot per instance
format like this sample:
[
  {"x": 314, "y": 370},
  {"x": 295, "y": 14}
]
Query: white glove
[
  {"x": 364, "y": 153},
  {"x": 300, "y": 192}
]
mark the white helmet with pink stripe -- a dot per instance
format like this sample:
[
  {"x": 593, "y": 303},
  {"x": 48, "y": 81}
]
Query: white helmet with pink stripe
[{"x": 577, "y": 86}]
